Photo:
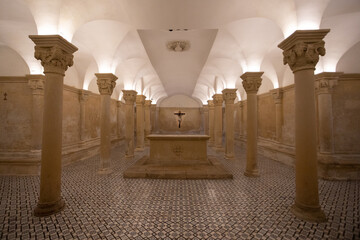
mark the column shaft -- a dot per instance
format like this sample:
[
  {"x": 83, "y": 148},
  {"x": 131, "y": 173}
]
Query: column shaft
[
  {"x": 84, "y": 95},
  {"x": 140, "y": 99},
  {"x": 105, "y": 141},
  {"x": 119, "y": 122},
  {"x": 251, "y": 145},
  {"x": 206, "y": 120},
  {"x": 229, "y": 96},
  {"x": 147, "y": 121},
  {"x": 218, "y": 121},
  {"x": 211, "y": 123},
  {"x": 130, "y": 97}
]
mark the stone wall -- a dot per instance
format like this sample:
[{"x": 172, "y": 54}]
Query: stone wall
[
  {"x": 16, "y": 153},
  {"x": 192, "y": 121}
]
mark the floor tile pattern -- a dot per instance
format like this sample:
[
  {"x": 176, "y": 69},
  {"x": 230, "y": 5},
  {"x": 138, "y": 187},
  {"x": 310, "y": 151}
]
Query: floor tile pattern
[{"x": 111, "y": 207}]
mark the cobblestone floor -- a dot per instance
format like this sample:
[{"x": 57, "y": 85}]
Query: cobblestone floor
[{"x": 110, "y": 207}]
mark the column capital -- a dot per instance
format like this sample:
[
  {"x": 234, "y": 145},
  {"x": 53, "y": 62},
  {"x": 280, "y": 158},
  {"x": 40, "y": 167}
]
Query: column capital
[
  {"x": 54, "y": 52},
  {"x": 84, "y": 95},
  {"x": 140, "y": 99},
  {"x": 301, "y": 49},
  {"x": 36, "y": 83},
  {"x": 251, "y": 81},
  {"x": 147, "y": 103},
  {"x": 324, "y": 82},
  {"x": 218, "y": 99},
  {"x": 129, "y": 96},
  {"x": 229, "y": 95},
  {"x": 206, "y": 108},
  {"x": 119, "y": 104},
  {"x": 277, "y": 95},
  {"x": 210, "y": 104},
  {"x": 106, "y": 83},
  {"x": 153, "y": 106},
  {"x": 241, "y": 104}
]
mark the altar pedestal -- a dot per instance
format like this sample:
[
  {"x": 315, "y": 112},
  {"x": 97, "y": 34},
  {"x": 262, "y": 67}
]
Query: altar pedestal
[{"x": 178, "y": 157}]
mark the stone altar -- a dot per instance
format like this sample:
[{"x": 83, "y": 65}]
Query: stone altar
[{"x": 178, "y": 157}]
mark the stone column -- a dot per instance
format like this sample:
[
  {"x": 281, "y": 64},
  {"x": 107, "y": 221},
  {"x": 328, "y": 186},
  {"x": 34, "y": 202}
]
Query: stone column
[
  {"x": 241, "y": 118},
  {"x": 301, "y": 52},
  {"x": 152, "y": 117},
  {"x": 140, "y": 100},
  {"x": 147, "y": 121},
  {"x": 211, "y": 123},
  {"x": 106, "y": 83},
  {"x": 56, "y": 55},
  {"x": 36, "y": 83},
  {"x": 324, "y": 83},
  {"x": 206, "y": 119},
  {"x": 130, "y": 97},
  {"x": 119, "y": 119},
  {"x": 229, "y": 97},
  {"x": 251, "y": 83},
  {"x": 83, "y": 97},
  {"x": 277, "y": 96},
  {"x": 218, "y": 101}
]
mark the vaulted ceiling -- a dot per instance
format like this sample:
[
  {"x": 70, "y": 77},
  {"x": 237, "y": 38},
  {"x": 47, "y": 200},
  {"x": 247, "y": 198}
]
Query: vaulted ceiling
[{"x": 130, "y": 39}]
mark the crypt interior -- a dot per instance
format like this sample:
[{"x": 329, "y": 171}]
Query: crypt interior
[{"x": 193, "y": 119}]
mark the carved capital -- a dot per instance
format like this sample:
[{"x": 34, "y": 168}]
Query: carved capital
[
  {"x": 229, "y": 95},
  {"x": 129, "y": 96},
  {"x": 277, "y": 95},
  {"x": 106, "y": 83},
  {"x": 84, "y": 95},
  {"x": 218, "y": 99},
  {"x": 54, "y": 52},
  {"x": 206, "y": 108},
  {"x": 324, "y": 82},
  {"x": 251, "y": 81},
  {"x": 147, "y": 103},
  {"x": 301, "y": 50},
  {"x": 119, "y": 104},
  {"x": 140, "y": 99},
  {"x": 210, "y": 104},
  {"x": 36, "y": 83},
  {"x": 241, "y": 104}
]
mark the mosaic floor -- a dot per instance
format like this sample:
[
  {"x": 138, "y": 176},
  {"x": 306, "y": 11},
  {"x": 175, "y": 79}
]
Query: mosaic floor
[{"x": 110, "y": 207}]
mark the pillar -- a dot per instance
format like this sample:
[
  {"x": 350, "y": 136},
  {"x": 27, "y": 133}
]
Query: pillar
[
  {"x": 83, "y": 97},
  {"x": 251, "y": 83},
  {"x": 36, "y": 83},
  {"x": 206, "y": 119},
  {"x": 324, "y": 83},
  {"x": 106, "y": 83},
  {"x": 211, "y": 123},
  {"x": 229, "y": 96},
  {"x": 147, "y": 121},
  {"x": 277, "y": 96},
  {"x": 140, "y": 100},
  {"x": 56, "y": 55},
  {"x": 218, "y": 101},
  {"x": 152, "y": 117},
  {"x": 119, "y": 119},
  {"x": 129, "y": 97},
  {"x": 241, "y": 118},
  {"x": 301, "y": 53}
]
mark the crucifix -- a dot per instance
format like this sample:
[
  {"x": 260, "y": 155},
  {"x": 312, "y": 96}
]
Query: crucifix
[{"x": 179, "y": 114}]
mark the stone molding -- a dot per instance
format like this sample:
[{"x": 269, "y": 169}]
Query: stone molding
[
  {"x": 229, "y": 95},
  {"x": 324, "y": 82},
  {"x": 140, "y": 99},
  {"x": 218, "y": 99},
  {"x": 106, "y": 83},
  {"x": 251, "y": 81},
  {"x": 36, "y": 83},
  {"x": 54, "y": 52},
  {"x": 277, "y": 95},
  {"x": 301, "y": 49},
  {"x": 129, "y": 96}
]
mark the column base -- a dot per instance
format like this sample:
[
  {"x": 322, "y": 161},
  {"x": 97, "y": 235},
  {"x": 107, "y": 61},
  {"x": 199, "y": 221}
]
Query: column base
[
  {"x": 105, "y": 171},
  {"x": 229, "y": 156},
  {"x": 129, "y": 155},
  {"x": 311, "y": 214},
  {"x": 47, "y": 209},
  {"x": 252, "y": 173},
  {"x": 139, "y": 149}
]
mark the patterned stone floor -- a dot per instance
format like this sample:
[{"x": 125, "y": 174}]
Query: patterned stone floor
[{"x": 110, "y": 207}]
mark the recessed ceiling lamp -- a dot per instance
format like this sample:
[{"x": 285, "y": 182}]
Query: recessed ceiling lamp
[{"x": 178, "y": 46}]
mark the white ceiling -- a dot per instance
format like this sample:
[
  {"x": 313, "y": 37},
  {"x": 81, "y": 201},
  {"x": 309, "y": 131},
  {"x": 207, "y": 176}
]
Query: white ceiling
[{"x": 128, "y": 38}]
